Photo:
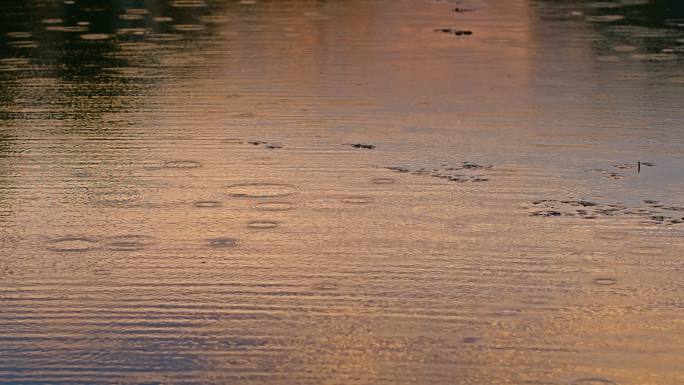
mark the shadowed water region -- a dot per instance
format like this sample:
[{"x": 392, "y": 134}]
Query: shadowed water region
[{"x": 341, "y": 192}]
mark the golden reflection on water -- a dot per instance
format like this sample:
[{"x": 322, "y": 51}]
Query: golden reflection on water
[{"x": 329, "y": 192}]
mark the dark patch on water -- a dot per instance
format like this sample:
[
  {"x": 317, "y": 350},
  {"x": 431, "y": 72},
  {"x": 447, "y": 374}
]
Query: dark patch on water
[
  {"x": 361, "y": 146},
  {"x": 461, "y": 173},
  {"x": 617, "y": 175},
  {"x": 547, "y": 213},
  {"x": 398, "y": 169},
  {"x": 266, "y": 145},
  {"x": 607, "y": 173},
  {"x": 455, "y": 32},
  {"x": 652, "y": 212}
]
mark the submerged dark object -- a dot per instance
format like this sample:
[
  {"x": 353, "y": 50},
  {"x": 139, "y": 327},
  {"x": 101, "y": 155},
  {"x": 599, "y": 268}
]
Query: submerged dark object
[
  {"x": 457, "y": 32},
  {"x": 364, "y": 146}
]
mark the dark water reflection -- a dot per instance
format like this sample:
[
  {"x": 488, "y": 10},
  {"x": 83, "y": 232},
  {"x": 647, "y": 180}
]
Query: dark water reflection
[
  {"x": 75, "y": 61},
  {"x": 640, "y": 27},
  {"x": 295, "y": 192}
]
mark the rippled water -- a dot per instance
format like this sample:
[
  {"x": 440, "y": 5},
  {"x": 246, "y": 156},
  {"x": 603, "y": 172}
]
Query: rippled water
[{"x": 341, "y": 192}]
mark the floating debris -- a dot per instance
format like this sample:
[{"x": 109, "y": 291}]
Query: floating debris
[
  {"x": 267, "y": 145},
  {"x": 398, "y": 169},
  {"x": 647, "y": 164},
  {"x": 653, "y": 213},
  {"x": 547, "y": 213},
  {"x": 361, "y": 145},
  {"x": 606, "y": 173},
  {"x": 475, "y": 166},
  {"x": 456, "y": 32},
  {"x": 450, "y": 173},
  {"x": 614, "y": 175}
]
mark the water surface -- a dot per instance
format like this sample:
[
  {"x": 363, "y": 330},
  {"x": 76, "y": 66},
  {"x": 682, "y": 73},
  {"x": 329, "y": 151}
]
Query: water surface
[{"x": 341, "y": 192}]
